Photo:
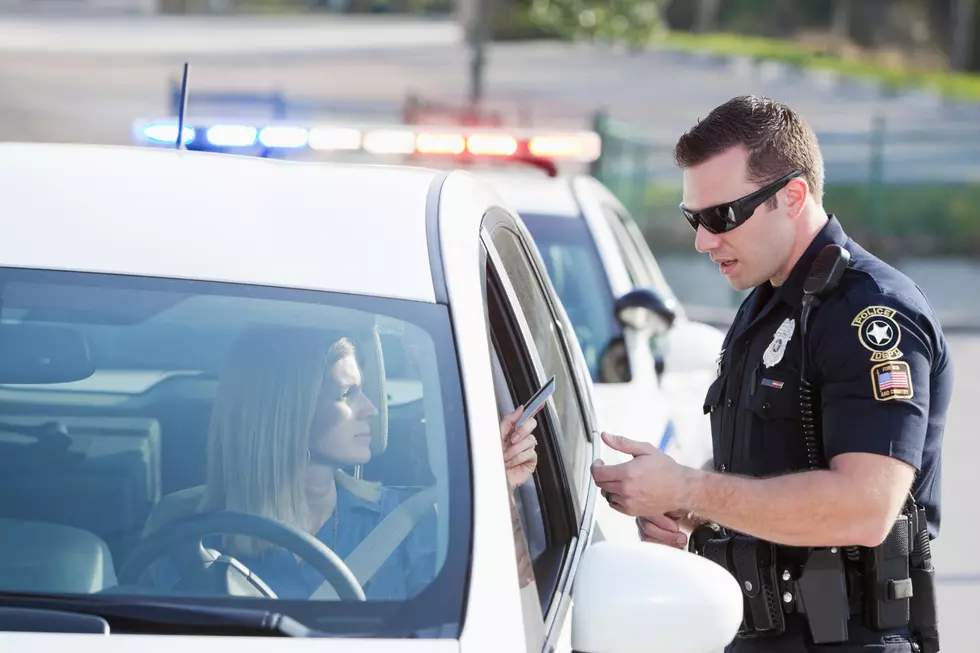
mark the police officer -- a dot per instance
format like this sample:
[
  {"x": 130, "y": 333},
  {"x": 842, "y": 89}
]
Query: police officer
[{"x": 780, "y": 506}]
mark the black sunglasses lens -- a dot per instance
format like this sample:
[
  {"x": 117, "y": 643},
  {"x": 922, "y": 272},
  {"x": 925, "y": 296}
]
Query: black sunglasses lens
[
  {"x": 692, "y": 219},
  {"x": 716, "y": 219}
]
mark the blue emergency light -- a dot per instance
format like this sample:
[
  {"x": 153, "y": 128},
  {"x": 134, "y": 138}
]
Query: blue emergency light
[
  {"x": 279, "y": 137},
  {"x": 380, "y": 139}
]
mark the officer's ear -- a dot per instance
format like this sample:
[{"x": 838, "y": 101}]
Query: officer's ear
[{"x": 797, "y": 192}]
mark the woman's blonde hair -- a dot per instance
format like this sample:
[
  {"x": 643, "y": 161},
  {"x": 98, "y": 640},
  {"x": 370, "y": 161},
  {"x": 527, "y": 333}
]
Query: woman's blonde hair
[{"x": 258, "y": 446}]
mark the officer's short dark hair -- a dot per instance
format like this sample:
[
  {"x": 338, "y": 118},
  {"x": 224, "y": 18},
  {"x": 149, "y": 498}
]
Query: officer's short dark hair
[{"x": 778, "y": 140}]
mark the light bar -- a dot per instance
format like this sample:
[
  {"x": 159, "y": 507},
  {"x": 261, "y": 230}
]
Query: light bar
[
  {"x": 469, "y": 143},
  {"x": 429, "y": 143},
  {"x": 335, "y": 138},
  {"x": 491, "y": 145},
  {"x": 580, "y": 146},
  {"x": 164, "y": 133},
  {"x": 389, "y": 141},
  {"x": 232, "y": 135},
  {"x": 284, "y": 136}
]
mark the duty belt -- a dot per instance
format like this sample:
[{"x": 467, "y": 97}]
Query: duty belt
[{"x": 826, "y": 586}]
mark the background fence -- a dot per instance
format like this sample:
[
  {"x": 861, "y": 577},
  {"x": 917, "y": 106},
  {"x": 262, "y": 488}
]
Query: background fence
[{"x": 904, "y": 190}]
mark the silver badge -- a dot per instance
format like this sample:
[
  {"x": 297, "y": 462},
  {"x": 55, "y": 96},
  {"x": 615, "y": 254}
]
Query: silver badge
[{"x": 774, "y": 353}]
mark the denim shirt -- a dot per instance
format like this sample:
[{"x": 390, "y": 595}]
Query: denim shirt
[{"x": 406, "y": 572}]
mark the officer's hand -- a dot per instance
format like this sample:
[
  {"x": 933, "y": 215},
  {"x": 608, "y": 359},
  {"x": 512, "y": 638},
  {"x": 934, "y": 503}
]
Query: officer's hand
[
  {"x": 662, "y": 529},
  {"x": 650, "y": 484}
]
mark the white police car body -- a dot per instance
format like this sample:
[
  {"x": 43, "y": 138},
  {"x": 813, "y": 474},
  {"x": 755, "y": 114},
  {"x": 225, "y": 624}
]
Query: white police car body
[
  {"x": 126, "y": 276},
  {"x": 598, "y": 258}
]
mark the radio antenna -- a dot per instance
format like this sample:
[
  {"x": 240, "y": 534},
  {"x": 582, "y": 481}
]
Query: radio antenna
[{"x": 182, "y": 109}]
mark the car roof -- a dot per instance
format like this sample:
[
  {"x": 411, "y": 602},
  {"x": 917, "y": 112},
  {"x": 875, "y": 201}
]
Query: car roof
[
  {"x": 169, "y": 213},
  {"x": 531, "y": 192}
]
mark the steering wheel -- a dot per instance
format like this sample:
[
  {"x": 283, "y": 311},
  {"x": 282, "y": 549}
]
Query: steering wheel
[{"x": 201, "y": 571}]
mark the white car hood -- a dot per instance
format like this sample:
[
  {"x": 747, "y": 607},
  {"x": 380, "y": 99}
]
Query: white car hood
[{"x": 59, "y": 643}]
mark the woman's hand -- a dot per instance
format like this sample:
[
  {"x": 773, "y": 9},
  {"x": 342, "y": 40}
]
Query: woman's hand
[{"x": 520, "y": 457}]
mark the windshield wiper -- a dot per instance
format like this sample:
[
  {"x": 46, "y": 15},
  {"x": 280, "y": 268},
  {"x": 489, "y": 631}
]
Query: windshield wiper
[{"x": 30, "y": 612}]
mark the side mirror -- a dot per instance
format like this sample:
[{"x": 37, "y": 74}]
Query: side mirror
[
  {"x": 633, "y": 597},
  {"x": 645, "y": 310}
]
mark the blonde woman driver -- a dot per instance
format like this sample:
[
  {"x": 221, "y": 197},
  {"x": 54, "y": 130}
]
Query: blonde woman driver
[{"x": 289, "y": 413}]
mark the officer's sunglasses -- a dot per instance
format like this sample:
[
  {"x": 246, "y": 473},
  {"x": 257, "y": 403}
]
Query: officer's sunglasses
[{"x": 725, "y": 217}]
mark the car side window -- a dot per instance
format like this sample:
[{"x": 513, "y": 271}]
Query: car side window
[
  {"x": 544, "y": 325},
  {"x": 653, "y": 271},
  {"x": 627, "y": 249},
  {"x": 543, "y": 516},
  {"x": 642, "y": 270}
]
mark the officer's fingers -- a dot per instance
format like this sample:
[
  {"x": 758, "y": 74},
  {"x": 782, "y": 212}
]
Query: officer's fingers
[
  {"x": 613, "y": 487},
  {"x": 625, "y": 445},
  {"x": 603, "y": 473},
  {"x": 618, "y": 507},
  {"x": 650, "y": 532},
  {"x": 663, "y": 522}
]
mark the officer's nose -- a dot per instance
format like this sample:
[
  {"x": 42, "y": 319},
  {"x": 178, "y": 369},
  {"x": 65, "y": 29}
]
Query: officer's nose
[{"x": 705, "y": 241}]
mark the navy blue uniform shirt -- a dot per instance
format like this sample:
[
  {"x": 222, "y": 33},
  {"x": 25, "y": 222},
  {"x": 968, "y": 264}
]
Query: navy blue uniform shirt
[
  {"x": 875, "y": 351},
  {"x": 877, "y": 355}
]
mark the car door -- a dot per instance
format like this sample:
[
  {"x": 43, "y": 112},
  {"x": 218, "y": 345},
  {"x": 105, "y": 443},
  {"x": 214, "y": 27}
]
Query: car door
[{"x": 531, "y": 342}]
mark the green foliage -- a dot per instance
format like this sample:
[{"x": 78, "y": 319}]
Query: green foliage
[
  {"x": 929, "y": 220},
  {"x": 634, "y": 22},
  {"x": 953, "y": 85}
]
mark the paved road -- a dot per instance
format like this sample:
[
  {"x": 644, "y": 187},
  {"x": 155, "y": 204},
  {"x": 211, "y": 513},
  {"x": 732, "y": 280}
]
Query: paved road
[
  {"x": 79, "y": 81},
  {"x": 955, "y": 551}
]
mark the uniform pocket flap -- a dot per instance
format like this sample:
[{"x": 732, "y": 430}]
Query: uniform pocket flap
[
  {"x": 715, "y": 390},
  {"x": 775, "y": 398}
]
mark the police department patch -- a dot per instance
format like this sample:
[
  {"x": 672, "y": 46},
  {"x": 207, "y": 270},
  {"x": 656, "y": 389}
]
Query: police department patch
[
  {"x": 879, "y": 333},
  {"x": 892, "y": 380}
]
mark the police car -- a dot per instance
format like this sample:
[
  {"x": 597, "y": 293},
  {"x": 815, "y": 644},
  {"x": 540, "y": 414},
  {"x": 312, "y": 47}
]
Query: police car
[
  {"x": 142, "y": 290},
  {"x": 649, "y": 362},
  {"x": 650, "y": 373}
]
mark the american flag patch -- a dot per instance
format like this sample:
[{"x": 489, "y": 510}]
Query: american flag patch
[
  {"x": 892, "y": 380},
  {"x": 771, "y": 383}
]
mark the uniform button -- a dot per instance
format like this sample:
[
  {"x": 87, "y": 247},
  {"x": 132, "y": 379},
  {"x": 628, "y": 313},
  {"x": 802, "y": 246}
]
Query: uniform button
[
  {"x": 765, "y": 406},
  {"x": 729, "y": 403}
]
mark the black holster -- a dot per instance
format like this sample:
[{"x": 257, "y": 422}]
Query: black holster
[
  {"x": 753, "y": 564},
  {"x": 777, "y": 581},
  {"x": 887, "y": 586},
  {"x": 923, "y": 616}
]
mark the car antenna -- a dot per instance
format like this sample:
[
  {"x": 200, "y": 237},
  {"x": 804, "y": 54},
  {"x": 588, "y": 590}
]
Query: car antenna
[{"x": 182, "y": 109}]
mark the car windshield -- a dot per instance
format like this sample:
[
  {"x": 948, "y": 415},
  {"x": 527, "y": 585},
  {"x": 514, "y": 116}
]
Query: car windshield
[
  {"x": 577, "y": 274},
  {"x": 141, "y": 418}
]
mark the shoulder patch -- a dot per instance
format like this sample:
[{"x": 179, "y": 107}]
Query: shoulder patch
[
  {"x": 879, "y": 333},
  {"x": 892, "y": 380}
]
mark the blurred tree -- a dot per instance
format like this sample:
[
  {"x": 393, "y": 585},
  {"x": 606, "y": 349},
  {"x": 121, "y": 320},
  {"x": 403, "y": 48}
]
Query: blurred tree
[
  {"x": 634, "y": 22},
  {"x": 965, "y": 19},
  {"x": 841, "y": 26},
  {"x": 707, "y": 20}
]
